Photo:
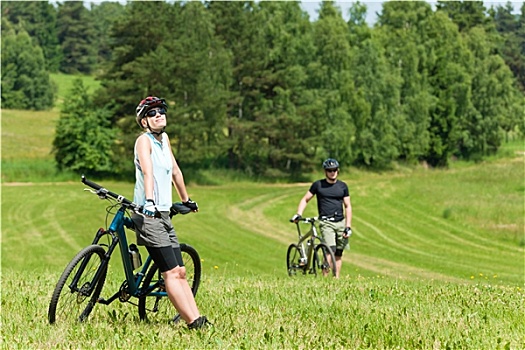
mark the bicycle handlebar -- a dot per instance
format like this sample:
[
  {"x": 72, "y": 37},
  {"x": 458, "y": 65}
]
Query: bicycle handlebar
[
  {"x": 176, "y": 208},
  {"x": 103, "y": 192},
  {"x": 313, "y": 219},
  {"x": 306, "y": 220}
]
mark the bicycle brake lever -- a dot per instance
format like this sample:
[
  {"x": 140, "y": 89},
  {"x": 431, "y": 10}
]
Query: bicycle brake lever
[{"x": 101, "y": 194}]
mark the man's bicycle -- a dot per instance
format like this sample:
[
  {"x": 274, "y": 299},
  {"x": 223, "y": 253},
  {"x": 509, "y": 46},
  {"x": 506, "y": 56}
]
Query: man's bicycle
[
  {"x": 80, "y": 285},
  {"x": 310, "y": 253}
]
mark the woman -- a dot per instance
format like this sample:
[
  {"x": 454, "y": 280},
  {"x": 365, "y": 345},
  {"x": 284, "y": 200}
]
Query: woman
[{"x": 156, "y": 170}]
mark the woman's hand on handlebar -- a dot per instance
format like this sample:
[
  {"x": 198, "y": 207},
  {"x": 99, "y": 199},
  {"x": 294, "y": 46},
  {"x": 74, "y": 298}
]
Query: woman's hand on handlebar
[{"x": 192, "y": 205}]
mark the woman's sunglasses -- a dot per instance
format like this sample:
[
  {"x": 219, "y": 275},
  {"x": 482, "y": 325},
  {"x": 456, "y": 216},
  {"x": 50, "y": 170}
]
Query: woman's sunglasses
[{"x": 153, "y": 112}]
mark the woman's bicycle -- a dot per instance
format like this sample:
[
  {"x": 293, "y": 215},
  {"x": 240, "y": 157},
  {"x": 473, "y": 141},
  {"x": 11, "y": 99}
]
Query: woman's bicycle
[
  {"x": 80, "y": 285},
  {"x": 310, "y": 253}
]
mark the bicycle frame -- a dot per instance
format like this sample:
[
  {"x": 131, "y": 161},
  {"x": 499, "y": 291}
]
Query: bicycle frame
[
  {"x": 309, "y": 238},
  {"x": 316, "y": 255},
  {"x": 118, "y": 237}
]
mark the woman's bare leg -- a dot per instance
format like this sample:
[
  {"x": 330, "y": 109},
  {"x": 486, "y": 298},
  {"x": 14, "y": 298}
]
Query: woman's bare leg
[{"x": 179, "y": 293}]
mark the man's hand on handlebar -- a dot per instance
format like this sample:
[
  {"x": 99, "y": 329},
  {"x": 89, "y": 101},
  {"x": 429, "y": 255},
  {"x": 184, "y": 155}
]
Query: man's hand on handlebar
[{"x": 296, "y": 218}]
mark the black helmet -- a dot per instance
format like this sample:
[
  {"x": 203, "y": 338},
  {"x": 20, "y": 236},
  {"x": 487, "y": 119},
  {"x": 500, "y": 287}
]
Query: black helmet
[
  {"x": 146, "y": 104},
  {"x": 330, "y": 163}
]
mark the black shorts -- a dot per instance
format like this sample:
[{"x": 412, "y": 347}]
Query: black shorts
[{"x": 166, "y": 258}]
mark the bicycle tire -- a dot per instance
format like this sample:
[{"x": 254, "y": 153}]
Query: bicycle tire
[
  {"x": 160, "y": 307},
  {"x": 68, "y": 304},
  {"x": 321, "y": 254},
  {"x": 292, "y": 260}
]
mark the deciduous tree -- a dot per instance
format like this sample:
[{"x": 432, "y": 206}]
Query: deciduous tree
[
  {"x": 39, "y": 19},
  {"x": 84, "y": 136},
  {"x": 25, "y": 80}
]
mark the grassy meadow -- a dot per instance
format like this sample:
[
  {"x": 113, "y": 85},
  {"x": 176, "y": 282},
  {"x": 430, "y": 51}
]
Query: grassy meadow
[
  {"x": 27, "y": 138},
  {"x": 64, "y": 83},
  {"x": 436, "y": 260}
]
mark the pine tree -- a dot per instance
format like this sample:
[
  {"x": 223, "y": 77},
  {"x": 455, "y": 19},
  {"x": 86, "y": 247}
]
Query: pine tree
[
  {"x": 512, "y": 31},
  {"x": 104, "y": 15},
  {"x": 76, "y": 36}
]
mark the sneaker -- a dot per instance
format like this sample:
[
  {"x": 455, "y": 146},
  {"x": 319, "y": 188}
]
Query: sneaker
[{"x": 199, "y": 323}]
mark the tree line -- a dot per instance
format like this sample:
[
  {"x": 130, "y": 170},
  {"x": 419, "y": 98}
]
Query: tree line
[{"x": 260, "y": 87}]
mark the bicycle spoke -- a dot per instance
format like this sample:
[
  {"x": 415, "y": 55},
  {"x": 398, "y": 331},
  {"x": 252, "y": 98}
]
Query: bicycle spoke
[
  {"x": 324, "y": 259},
  {"x": 293, "y": 261},
  {"x": 159, "y": 308},
  {"x": 75, "y": 295}
]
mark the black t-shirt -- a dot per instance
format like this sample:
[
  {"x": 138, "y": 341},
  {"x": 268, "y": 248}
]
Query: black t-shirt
[{"x": 330, "y": 198}]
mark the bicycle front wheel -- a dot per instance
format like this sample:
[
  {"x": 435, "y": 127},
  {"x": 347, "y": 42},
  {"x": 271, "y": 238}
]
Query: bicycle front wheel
[
  {"x": 324, "y": 259},
  {"x": 293, "y": 260},
  {"x": 77, "y": 289},
  {"x": 158, "y": 306}
]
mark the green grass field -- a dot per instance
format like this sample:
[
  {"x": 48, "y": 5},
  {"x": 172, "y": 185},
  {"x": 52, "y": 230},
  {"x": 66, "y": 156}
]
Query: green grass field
[
  {"x": 64, "y": 83},
  {"x": 414, "y": 277},
  {"x": 436, "y": 261}
]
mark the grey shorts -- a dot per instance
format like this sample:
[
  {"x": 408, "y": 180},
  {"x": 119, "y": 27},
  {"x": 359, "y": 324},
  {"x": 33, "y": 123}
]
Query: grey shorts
[
  {"x": 153, "y": 232},
  {"x": 332, "y": 233}
]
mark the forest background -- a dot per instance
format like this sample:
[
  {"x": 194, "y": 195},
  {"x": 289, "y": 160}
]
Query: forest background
[{"x": 260, "y": 88}]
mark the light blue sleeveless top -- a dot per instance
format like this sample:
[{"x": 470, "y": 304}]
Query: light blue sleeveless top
[{"x": 162, "y": 170}]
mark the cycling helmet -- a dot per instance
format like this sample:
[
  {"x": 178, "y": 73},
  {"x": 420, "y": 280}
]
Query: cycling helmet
[
  {"x": 146, "y": 104},
  {"x": 330, "y": 163}
]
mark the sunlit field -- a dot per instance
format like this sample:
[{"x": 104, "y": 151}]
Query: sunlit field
[{"x": 436, "y": 258}]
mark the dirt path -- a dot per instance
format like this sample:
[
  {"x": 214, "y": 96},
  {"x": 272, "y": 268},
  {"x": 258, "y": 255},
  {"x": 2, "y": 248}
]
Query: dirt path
[{"x": 254, "y": 220}]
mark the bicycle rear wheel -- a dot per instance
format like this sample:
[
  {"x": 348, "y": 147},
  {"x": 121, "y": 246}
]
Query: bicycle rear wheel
[
  {"x": 160, "y": 307},
  {"x": 293, "y": 257},
  {"x": 77, "y": 291},
  {"x": 324, "y": 259}
]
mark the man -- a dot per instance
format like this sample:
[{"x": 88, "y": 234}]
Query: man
[{"x": 336, "y": 222}]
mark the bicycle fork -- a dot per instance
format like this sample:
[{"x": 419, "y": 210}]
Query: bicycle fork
[
  {"x": 306, "y": 253},
  {"x": 88, "y": 288}
]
